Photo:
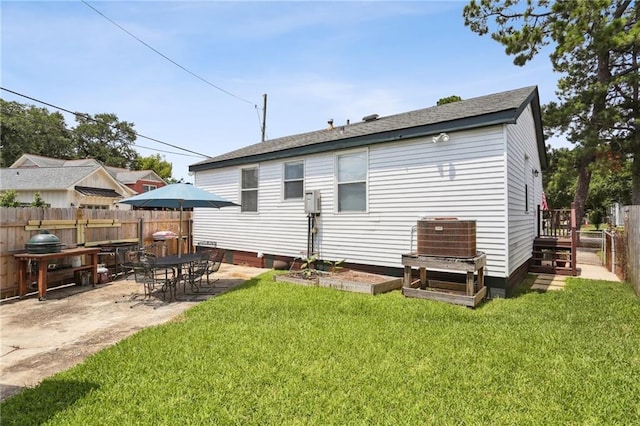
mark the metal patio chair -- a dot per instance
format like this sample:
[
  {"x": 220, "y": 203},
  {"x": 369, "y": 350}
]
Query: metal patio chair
[
  {"x": 150, "y": 276},
  {"x": 216, "y": 256},
  {"x": 125, "y": 258},
  {"x": 194, "y": 273}
]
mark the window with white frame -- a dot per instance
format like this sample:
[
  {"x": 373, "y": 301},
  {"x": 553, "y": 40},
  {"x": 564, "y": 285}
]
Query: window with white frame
[
  {"x": 293, "y": 180},
  {"x": 249, "y": 190},
  {"x": 352, "y": 181},
  {"x": 147, "y": 188}
]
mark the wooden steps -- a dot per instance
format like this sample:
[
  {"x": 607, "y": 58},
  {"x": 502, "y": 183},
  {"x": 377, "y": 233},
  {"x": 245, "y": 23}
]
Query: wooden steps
[
  {"x": 554, "y": 250},
  {"x": 552, "y": 256}
]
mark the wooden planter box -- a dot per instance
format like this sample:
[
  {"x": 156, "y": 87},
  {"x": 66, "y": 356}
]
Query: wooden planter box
[{"x": 339, "y": 283}]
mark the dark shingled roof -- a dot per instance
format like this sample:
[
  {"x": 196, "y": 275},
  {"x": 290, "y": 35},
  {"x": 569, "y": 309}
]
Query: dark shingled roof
[
  {"x": 499, "y": 108},
  {"x": 97, "y": 192}
]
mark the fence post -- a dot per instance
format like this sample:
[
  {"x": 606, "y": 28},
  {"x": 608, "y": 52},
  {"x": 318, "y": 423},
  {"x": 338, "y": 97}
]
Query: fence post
[
  {"x": 140, "y": 233},
  {"x": 574, "y": 241},
  {"x": 613, "y": 252},
  {"x": 604, "y": 247}
]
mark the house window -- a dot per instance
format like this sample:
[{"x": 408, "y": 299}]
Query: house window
[
  {"x": 293, "y": 180},
  {"x": 147, "y": 188},
  {"x": 94, "y": 206},
  {"x": 352, "y": 182},
  {"x": 249, "y": 190}
]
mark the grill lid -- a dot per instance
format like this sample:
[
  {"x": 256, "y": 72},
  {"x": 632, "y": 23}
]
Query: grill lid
[{"x": 44, "y": 238}]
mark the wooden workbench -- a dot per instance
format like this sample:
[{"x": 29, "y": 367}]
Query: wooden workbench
[
  {"x": 43, "y": 263},
  {"x": 474, "y": 292}
]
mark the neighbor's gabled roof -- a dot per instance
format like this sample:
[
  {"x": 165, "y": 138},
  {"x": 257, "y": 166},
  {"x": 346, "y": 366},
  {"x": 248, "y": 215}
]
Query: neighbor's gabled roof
[
  {"x": 32, "y": 160},
  {"x": 499, "y": 108},
  {"x": 58, "y": 179},
  {"x": 132, "y": 176},
  {"x": 124, "y": 176},
  {"x": 44, "y": 178}
]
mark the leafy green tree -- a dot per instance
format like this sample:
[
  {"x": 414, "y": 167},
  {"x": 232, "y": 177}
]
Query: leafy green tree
[
  {"x": 27, "y": 129},
  {"x": 595, "y": 50},
  {"x": 596, "y": 217},
  {"x": 449, "y": 99},
  {"x": 106, "y": 139},
  {"x": 559, "y": 179},
  {"x": 9, "y": 199},
  {"x": 610, "y": 182},
  {"x": 610, "y": 179},
  {"x": 158, "y": 164},
  {"x": 38, "y": 201}
]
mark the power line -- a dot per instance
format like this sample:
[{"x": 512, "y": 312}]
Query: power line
[
  {"x": 87, "y": 116},
  {"x": 167, "y": 152},
  {"x": 166, "y": 57},
  {"x": 259, "y": 118}
]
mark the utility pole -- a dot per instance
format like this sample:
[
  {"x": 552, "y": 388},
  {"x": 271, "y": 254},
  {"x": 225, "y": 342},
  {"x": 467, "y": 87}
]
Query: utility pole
[{"x": 264, "y": 115}]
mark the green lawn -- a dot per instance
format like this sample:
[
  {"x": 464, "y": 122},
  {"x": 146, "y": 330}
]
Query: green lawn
[{"x": 274, "y": 353}]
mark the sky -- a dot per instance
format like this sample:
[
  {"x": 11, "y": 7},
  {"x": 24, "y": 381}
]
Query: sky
[{"x": 315, "y": 61}]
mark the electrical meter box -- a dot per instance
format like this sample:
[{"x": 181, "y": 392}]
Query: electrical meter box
[{"x": 312, "y": 202}]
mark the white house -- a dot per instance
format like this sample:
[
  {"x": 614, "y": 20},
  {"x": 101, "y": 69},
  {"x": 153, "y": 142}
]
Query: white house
[
  {"x": 477, "y": 159},
  {"x": 64, "y": 183},
  {"x": 83, "y": 182}
]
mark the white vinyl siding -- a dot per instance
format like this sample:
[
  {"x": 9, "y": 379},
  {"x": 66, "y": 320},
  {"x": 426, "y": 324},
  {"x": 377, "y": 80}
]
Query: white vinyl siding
[
  {"x": 524, "y": 188},
  {"x": 406, "y": 180},
  {"x": 54, "y": 198}
]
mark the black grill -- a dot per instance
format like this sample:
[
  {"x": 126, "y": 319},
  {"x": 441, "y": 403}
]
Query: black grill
[{"x": 43, "y": 243}]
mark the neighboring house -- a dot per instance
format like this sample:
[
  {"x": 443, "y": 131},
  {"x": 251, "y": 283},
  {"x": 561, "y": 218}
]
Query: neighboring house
[
  {"x": 77, "y": 186},
  {"x": 138, "y": 180},
  {"x": 76, "y": 183},
  {"x": 377, "y": 178}
]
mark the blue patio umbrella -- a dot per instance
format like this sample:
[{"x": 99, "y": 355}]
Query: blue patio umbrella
[{"x": 179, "y": 196}]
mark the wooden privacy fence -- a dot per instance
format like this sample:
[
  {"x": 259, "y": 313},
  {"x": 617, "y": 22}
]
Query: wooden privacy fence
[
  {"x": 78, "y": 227},
  {"x": 632, "y": 234},
  {"x": 615, "y": 253}
]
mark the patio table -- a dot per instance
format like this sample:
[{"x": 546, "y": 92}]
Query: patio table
[{"x": 176, "y": 262}]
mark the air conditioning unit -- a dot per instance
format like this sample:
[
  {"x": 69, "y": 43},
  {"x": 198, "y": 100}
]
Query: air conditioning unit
[{"x": 312, "y": 202}]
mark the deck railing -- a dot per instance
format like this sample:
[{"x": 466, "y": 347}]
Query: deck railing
[{"x": 554, "y": 223}]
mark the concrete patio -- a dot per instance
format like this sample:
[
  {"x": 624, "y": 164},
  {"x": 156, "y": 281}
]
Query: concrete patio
[{"x": 39, "y": 339}]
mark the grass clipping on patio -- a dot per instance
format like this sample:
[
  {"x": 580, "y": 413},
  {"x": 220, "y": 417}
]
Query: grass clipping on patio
[{"x": 275, "y": 353}]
